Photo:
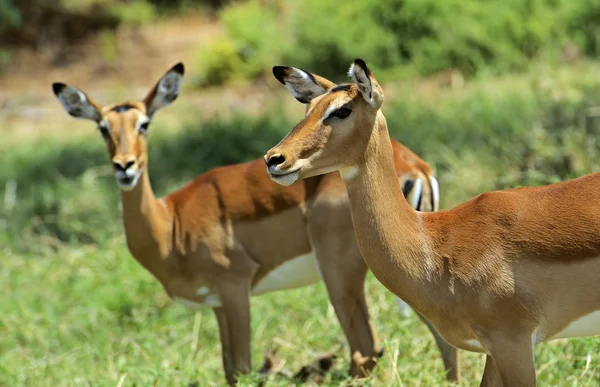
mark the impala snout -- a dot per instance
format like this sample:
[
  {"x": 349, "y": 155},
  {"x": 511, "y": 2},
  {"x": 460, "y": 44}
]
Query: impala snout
[
  {"x": 127, "y": 172},
  {"x": 279, "y": 167},
  {"x": 273, "y": 162}
]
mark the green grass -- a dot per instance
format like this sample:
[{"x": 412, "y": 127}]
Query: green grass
[
  {"x": 77, "y": 310},
  {"x": 91, "y": 316}
]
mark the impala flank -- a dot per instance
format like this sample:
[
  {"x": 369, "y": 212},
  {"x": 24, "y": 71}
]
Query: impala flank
[
  {"x": 232, "y": 232},
  {"x": 497, "y": 274}
]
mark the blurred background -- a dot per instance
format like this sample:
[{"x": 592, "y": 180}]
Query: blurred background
[{"x": 493, "y": 94}]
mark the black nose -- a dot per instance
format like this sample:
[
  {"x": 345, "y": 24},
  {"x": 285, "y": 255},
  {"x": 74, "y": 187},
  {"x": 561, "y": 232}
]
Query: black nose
[
  {"x": 275, "y": 160},
  {"x": 120, "y": 167}
]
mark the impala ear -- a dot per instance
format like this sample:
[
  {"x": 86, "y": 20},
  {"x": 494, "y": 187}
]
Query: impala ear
[
  {"x": 166, "y": 90},
  {"x": 366, "y": 83},
  {"x": 303, "y": 85},
  {"x": 76, "y": 102}
]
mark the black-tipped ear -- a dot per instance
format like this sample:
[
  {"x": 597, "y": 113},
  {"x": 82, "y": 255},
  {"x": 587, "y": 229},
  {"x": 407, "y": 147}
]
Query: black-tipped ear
[
  {"x": 279, "y": 72},
  {"x": 303, "y": 85},
  {"x": 166, "y": 90},
  {"x": 76, "y": 102},
  {"x": 366, "y": 83},
  {"x": 58, "y": 87},
  {"x": 363, "y": 65},
  {"x": 179, "y": 68}
]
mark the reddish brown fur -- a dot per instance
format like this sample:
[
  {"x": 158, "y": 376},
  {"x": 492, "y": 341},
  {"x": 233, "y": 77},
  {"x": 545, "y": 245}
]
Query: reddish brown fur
[
  {"x": 232, "y": 225},
  {"x": 506, "y": 269}
]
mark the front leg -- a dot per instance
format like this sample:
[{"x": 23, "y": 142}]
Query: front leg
[
  {"x": 449, "y": 353},
  {"x": 491, "y": 378},
  {"x": 226, "y": 348},
  {"x": 236, "y": 308},
  {"x": 512, "y": 355}
]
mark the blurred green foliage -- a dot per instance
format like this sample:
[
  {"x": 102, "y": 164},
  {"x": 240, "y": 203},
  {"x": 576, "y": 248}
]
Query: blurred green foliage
[
  {"x": 415, "y": 36},
  {"x": 252, "y": 46},
  {"x": 496, "y": 133}
]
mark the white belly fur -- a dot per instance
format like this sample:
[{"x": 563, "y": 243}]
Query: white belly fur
[
  {"x": 475, "y": 345},
  {"x": 295, "y": 273},
  {"x": 588, "y": 325},
  {"x": 210, "y": 301}
]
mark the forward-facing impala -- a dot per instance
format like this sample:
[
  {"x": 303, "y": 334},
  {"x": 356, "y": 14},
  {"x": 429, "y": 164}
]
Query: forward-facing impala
[
  {"x": 232, "y": 232},
  {"x": 497, "y": 274}
]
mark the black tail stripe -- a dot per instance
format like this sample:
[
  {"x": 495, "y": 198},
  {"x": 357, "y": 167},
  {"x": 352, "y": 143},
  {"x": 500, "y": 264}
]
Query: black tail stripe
[{"x": 408, "y": 186}]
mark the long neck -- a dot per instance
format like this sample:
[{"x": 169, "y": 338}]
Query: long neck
[
  {"x": 147, "y": 225},
  {"x": 388, "y": 230}
]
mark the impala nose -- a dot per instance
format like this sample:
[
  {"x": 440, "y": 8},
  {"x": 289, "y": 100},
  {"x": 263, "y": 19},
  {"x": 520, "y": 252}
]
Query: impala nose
[
  {"x": 121, "y": 166},
  {"x": 275, "y": 160}
]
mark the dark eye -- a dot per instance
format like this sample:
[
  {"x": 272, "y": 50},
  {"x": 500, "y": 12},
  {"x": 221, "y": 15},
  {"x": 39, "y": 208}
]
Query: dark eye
[
  {"x": 341, "y": 113},
  {"x": 104, "y": 130},
  {"x": 144, "y": 127}
]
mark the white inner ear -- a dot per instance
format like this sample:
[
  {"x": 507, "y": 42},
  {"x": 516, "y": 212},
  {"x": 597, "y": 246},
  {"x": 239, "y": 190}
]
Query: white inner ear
[
  {"x": 76, "y": 103},
  {"x": 360, "y": 77},
  {"x": 168, "y": 89},
  {"x": 170, "y": 84},
  {"x": 301, "y": 85}
]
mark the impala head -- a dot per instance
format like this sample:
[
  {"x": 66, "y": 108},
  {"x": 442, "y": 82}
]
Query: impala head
[
  {"x": 337, "y": 126},
  {"x": 124, "y": 126}
]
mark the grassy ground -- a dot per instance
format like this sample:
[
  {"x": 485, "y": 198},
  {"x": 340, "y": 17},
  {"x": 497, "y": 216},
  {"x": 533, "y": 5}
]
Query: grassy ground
[
  {"x": 91, "y": 316},
  {"x": 75, "y": 309}
]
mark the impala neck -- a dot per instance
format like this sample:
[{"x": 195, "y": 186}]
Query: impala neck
[
  {"x": 146, "y": 222},
  {"x": 388, "y": 229}
]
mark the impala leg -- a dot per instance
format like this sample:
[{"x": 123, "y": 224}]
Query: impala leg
[
  {"x": 450, "y": 354},
  {"x": 236, "y": 309},
  {"x": 345, "y": 286},
  {"x": 513, "y": 357},
  {"x": 226, "y": 349},
  {"x": 491, "y": 377}
]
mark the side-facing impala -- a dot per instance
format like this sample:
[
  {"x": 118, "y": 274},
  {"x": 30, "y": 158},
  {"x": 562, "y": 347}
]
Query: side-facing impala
[
  {"x": 496, "y": 274},
  {"x": 232, "y": 232}
]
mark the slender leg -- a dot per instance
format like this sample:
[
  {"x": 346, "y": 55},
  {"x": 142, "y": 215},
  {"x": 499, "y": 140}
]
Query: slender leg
[
  {"x": 491, "y": 378},
  {"x": 346, "y": 292},
  {"x": 513, "y": 356},
  {"x": 233, "y": 316},
  {"x": 450, "y": 354},
  {"x": 344, "y": 270},
  {"x": 236, "y": 308},
  {"x": 226, "y": 350}
]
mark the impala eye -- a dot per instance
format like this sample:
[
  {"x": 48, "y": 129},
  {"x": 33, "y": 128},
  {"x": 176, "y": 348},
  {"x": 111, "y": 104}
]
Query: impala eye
[
  {"x": 103, "y": 127},
  {"x": 144, "y": 127},
  {"x": 341, "y": 113}
]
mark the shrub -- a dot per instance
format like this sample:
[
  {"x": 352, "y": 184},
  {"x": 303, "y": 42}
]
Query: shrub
[
  {"x": 418, "y": 36},
  {"x": 253, "y": 43}
]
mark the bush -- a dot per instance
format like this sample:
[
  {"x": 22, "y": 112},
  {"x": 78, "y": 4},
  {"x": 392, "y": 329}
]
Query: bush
[
  {"x": 253, "y": 43},
  {"x": 418, "y": 36}
]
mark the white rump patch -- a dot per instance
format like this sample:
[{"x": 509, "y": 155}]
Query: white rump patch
[
  {"x": 435, "y": 191},
  {"x": 296, "y": 273},
  {"x": 588, "y": 325},
  {"x": 415, "y": 193}
]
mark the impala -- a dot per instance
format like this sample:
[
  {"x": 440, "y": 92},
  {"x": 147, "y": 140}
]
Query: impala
[
  {"x": 497, "y": 274},
  {"x": 232, "y": 232}
]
